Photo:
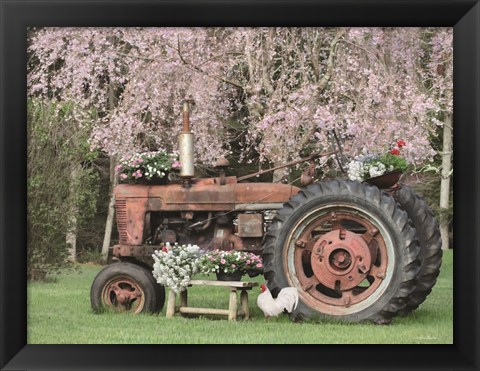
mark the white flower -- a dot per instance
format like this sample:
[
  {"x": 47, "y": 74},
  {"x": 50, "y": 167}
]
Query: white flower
[{"x": 175, "y": 266}]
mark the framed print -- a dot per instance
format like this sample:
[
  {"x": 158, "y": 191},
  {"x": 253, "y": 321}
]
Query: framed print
[{"x": 18, "y": 16}]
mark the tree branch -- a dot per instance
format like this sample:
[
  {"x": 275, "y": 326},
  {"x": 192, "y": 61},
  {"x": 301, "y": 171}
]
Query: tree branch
[
  {"x": 187, "y": 64},
  {"x": 198, "y": 69},
  {"x": 333, "y": 51}
]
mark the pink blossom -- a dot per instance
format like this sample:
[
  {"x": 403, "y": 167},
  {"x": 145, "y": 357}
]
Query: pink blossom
[
  {"x": 176, "y": 165},
  {"x": 282, "y": 111},
  {"x": 259, "y": 265},
  {"x": 223, "y": 261},
  {"x": 123, "y": 176}
]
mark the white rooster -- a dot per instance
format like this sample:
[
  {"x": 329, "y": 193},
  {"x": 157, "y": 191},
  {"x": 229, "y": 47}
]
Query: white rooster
[{"x": 287, "y": 299}]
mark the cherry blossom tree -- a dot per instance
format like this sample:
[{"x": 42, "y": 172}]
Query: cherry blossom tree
[
  {"x": 275, "y": 92},
  {"x": 291, "y": 85},
  {"x": 136, "y": 79},
  {"x": 438, "y": 80}
]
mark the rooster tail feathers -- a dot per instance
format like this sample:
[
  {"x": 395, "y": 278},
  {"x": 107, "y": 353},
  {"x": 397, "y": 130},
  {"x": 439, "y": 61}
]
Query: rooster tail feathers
[{"x": 288, "y": 299}]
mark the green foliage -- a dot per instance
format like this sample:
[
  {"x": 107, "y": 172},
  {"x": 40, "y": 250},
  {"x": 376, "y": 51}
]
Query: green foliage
[
  {"x": 89, "y": 256},
  {"x": 61, "y": 183},
  {"x": 427, "y": 185},
  {"x": 394, "y": 161}
]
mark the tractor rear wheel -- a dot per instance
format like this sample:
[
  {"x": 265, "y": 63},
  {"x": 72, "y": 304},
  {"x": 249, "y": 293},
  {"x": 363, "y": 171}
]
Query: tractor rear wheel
[
  {"x": 430, "y": 241},
  {"x": 126, "y": 287},
  {"x": 348, "y": 248}
]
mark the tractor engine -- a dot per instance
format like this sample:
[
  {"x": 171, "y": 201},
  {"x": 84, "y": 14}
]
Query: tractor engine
[
  {"x": 208, "y": 230},
  {"x": 213, "y": 213}
]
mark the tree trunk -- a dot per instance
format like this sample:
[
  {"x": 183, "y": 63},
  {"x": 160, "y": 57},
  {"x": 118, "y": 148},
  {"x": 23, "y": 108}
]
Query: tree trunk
[
  {"x": 445, "y": 182},
  {"x": 111, "y": 211},
  {"x": 112, "y": 101},
  {"x": 71, "y": 236}
]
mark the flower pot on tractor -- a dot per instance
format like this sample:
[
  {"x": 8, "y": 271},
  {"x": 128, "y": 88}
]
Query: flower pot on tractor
[{"x": 354, "y": 251}]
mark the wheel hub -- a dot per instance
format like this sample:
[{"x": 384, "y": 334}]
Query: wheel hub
[
  {"x": 122, "y": 294},
  {"x": 340, "y": 260}
]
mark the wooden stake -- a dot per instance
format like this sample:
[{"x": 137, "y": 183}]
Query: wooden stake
[
  {"x": 232, "y": 305},
  {"x": 244, "y": 304},
  {"x": 171, "y": 304}
]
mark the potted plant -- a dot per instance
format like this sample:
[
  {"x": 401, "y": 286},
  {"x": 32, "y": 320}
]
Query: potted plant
[
  {"x": 230, "y": 265},
  {"x": 175, "y": 265},
  {"x": 381, "y": 170},
  {"x": 147, "y": 167}
]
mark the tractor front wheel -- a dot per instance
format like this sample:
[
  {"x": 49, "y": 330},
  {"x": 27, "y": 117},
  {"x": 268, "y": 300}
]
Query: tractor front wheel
[
  {"x": 349, "y": 249},
  {"x": 126, "y": 287}
]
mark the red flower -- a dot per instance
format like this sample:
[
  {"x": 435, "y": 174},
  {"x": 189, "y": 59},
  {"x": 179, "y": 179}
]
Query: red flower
[
  {"x": 401, "y": 143},
  {"x": 395, "y": 151},
  {"x": 164, "y": 249}
]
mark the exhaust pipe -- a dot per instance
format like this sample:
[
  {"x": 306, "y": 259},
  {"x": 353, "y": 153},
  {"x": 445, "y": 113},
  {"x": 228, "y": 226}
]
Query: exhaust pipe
[{"x": 185, "y": 143}]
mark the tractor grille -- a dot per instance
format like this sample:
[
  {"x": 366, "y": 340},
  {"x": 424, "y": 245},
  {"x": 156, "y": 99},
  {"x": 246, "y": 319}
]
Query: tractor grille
[{"x": 121, "y": 208}]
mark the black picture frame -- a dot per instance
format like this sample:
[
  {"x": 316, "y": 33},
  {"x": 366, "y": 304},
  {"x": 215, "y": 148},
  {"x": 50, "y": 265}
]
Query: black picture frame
[{"x": 16, "y": 16}]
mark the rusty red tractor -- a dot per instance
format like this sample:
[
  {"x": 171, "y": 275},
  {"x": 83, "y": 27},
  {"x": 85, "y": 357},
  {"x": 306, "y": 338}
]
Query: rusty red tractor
[{"x": 355, "y": 251}]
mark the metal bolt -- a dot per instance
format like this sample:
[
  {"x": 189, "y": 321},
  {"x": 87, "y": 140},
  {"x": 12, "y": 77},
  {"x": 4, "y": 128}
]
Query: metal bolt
[
  {"x": 381, "y": 275},
  {"x": 300, "y": 244},
  {"x": 363, "y": 268}
]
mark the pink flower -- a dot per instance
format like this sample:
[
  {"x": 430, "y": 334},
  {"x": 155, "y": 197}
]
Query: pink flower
[
  {"x": 176, "y": 165},
  {"x": 234, "y": 266},
  {"x": 164, "y": 249},
  {"x": 259, "y": 265},
  {"x": 223, "y": 261},
  {"x": 118, "y": 168},
  {"x": 248, "y": 261},
  {"x": 123, "y": 176}
]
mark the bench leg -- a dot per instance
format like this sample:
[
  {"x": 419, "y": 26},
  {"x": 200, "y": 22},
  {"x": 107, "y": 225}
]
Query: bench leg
[
  {"x": 244, "y": 303},
  {"x": 171, "y": 303},
  {"x": 232, "y": 306},
  {"x": 183, "y": 298}
]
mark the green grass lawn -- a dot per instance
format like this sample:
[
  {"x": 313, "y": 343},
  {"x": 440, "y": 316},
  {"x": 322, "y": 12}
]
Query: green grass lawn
[{"x": 60, "y": 313}]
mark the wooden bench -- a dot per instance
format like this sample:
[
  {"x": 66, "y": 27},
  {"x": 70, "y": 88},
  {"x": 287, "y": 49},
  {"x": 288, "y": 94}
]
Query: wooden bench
[{"x": 232, "y": 312}]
